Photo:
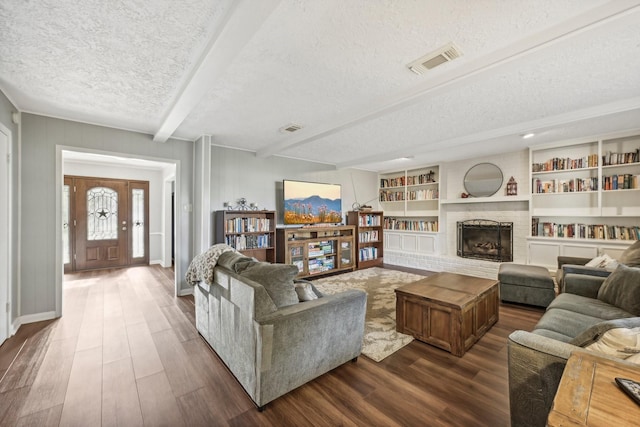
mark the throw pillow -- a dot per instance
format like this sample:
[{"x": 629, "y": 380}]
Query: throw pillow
[
  {"x": 241, "y": 266},
  {"x": 603, "y": 261},
  {"x": 595, "y": 262},
  {"x": 229, "y": 259},
  {"x": 631, "y": 256},
  {"x": 277, "y": 280},
  {"x": 305, "y": 291},
  {"x": 618, "y": 342},
  {"x": 622, "y": 289}
]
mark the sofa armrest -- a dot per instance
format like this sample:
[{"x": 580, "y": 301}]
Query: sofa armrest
[
  {"x": 536, "y": 364},
  {"x": 562, "y": 260},
  {"x": 582, "y": 269},
  {"x": 581, "y": 280},
  {"x": 302, "y": 341}
]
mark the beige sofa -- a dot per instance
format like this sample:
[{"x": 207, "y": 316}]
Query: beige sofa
[{"x": 252, "y": 318}]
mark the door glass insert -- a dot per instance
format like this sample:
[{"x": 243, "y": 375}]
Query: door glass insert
[
  {"x": 66, "y": 252},
  {"x": 137, "y": 222},
  {"x": 102, "y": 214}
]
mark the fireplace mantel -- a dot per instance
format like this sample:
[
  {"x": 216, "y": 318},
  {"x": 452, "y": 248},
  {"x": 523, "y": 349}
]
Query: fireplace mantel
[{"x": 523, "y": 198}]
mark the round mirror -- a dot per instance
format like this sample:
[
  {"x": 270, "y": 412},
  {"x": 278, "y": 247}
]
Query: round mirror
[{"x": 483, "y": 180}]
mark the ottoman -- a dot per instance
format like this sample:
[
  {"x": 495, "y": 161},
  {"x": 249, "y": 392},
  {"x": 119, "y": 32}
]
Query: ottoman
[{"x": 526, "y": 284}]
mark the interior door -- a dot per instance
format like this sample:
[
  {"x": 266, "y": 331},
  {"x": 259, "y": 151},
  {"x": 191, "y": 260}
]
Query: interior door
[{"x": 102, "y": 229}]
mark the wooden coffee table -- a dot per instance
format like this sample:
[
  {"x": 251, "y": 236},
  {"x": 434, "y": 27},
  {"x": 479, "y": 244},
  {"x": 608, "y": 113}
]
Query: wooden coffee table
[{"x": 450, "y": 311}]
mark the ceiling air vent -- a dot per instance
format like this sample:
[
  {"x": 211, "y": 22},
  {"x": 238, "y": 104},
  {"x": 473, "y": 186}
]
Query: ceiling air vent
[
  {"x": 431, "y": 60},
  {"x": 292, "y": 127}
]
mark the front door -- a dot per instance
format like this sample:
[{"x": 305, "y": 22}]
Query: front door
[{"x": 102, "y": 228}]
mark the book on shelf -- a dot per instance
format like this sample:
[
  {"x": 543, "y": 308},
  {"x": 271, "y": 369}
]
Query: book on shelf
[
  {"x": 392, "y": 182},
  {"x": 572, "y": 185},
  {"x": 368, "y": 236},
  {"x": 427, "y": 194},
  {"x": 620, "y": 182},
  {"x": 367, "y": 254},
  {"x": 425, "y": 178},
  {"x": 391, "y": 223},
  {"x": 566, "y": 163},
  {"x": 612, "y": 158},
  {"x": 318, "y": 265},
  {"x": 248, "y": 225},
  {"x": 251, "y": 241},
  {"x": 584, "y": 231},
  {"x": 391, "y": 196},
  {"x": 369, "y": 220}
]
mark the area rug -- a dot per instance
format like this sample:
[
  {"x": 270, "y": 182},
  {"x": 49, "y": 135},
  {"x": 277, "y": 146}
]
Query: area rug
[{"x": 380, "y": 336}]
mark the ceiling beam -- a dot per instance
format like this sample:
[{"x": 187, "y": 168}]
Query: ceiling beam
[
  {"x": 535, "y": 126},
  {"x": 472, "y": 69},
  {"x": 242, "y": 22}
]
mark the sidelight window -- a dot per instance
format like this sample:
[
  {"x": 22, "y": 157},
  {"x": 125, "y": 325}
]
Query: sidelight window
[
  {"x": 137, "y": 222},
  {"x": 66, "y": 217}
]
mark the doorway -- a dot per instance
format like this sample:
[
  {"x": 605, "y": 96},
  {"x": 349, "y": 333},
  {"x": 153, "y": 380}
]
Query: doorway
[
  {"x": 105, "y": 223},
  {"x": 5, "y": 240}
]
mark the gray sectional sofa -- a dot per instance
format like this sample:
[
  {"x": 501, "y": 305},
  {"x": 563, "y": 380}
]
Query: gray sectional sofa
[
  {"x": 252, "y": 318},
  {"x": 589, "y": 305}
]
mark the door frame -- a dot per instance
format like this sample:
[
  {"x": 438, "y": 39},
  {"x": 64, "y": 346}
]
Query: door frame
[
  {"x": 6, "y": 333},
  {"x": 131, "y": 184},
  {"x": 59, "y": 180}
]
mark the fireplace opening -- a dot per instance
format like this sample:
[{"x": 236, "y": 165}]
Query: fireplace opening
[{"x": 485, "y": 239}]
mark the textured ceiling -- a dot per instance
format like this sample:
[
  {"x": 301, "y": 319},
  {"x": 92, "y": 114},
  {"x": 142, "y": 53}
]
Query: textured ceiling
[{"x": 227, "y": 69}]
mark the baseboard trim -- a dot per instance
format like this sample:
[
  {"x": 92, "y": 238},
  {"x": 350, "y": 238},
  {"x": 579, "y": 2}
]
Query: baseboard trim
[
  {"x": 38, "y": 317},
  {"x": 15, "y": 326},
  {"x": 185, "y": 292}
]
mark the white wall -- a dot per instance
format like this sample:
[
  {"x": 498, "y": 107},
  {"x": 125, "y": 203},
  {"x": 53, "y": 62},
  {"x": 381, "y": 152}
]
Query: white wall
[
  {"x": 512, "y": 164},
  {"x": 6, "y": 110},
  {"x": 156, "y": 182},
  {"x": 236, "y": 174},
  {"x": 43, "y": 139}
]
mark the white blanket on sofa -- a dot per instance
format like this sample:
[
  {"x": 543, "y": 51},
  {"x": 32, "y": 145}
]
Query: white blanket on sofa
[{"x": 201, "y": 267}]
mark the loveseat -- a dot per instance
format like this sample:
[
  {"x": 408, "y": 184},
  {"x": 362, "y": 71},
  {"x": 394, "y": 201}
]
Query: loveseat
[
  {"x": 252, "y": 317},
  {"x": 588, "y": 308}
]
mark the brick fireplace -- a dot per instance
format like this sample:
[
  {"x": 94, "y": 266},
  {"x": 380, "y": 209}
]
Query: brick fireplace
[{"x": 485, "y": 239}]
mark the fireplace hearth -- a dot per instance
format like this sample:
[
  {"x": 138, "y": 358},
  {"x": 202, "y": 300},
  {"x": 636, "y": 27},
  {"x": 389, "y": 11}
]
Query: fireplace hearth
[{"x": 485, "y": 239}]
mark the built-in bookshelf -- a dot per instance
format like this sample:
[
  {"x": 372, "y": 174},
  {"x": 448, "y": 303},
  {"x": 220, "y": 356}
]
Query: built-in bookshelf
[
  {"x": 412, "y": 192},
  {"x": 585, "y": 197},
  {"x": 317, "y": 250},
  {"x": 410, "y": 200},
  {"x": 250, "y": 232},
  {"x": 369, "y": 232}
]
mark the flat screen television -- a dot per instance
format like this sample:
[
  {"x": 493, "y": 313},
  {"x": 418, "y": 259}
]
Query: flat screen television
[{"x": 312, "y": 203}]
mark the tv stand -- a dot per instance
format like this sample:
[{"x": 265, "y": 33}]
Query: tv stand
[{"x": 317, "y": 250}]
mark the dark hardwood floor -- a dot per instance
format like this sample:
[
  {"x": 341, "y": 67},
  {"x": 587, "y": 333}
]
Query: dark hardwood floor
[{"x": 126, "y": 353}]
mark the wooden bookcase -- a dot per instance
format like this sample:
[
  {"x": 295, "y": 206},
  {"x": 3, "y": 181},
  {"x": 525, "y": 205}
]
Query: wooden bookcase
[
  {"x": 369, "y": 237},
  {"x": 317, "y": 250},
  {"x": 250, "y": 232}
]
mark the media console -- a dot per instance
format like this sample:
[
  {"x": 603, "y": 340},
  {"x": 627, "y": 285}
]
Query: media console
[{"x": 317, "y": 250}]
